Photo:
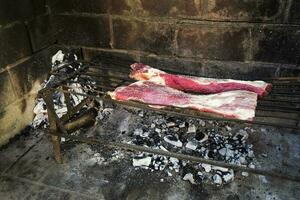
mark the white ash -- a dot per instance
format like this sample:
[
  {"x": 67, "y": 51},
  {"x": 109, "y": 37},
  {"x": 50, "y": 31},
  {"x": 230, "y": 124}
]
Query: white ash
[
  {"x": 173, "y": 140},
  {"x": 192, "y": 137},
  {"x": 207, "y": 167},
  {"x": 104, "y": 113},
  {"x": 217, "y": 179},
  {"x": 58, "y": 59},
  {"x": 191, "y": 145},
  {"x": 189, "y": 177},
  {"x": 138, "y": 162},
  {"x": 93, "y": 157},
  {"x": 245, "y": 174},
  {"x": 191, "y": 129},
  {"x": 228, "y": 176}
]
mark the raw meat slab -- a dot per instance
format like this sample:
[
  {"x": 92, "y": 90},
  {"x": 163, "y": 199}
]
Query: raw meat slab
[
  {"x": 197, "y": 84},
  {"x": 238, "y": 104}
]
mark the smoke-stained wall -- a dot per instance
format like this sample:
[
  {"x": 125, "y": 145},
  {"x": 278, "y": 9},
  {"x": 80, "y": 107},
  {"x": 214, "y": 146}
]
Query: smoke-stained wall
[{"x": 24, "y": 33}]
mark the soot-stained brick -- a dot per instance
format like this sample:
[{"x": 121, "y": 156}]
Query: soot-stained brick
[
  {"x": 151, "y": 37},
  {"x": 20, "y": 10},
  {"x": 294, "y": 15},
  {"x": 27, "y": 75},
  {"x": 211, "y": 42},
  {"x": 88, "y": 6},
  {"x": 276, "y": 44},
  {"x": 7, "y": 94},
  {"x": 226, "y": 10},
  {"x": 14, "y": 44},
  {"x": 40, "y": 30},
  {"x": 251, "y": 10},
  {"x": 173, "y": 8},
  {"x": 81, "y": 30}
]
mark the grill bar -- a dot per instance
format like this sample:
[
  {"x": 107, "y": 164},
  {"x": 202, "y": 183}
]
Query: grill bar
[{"x": 181, "y": 156}]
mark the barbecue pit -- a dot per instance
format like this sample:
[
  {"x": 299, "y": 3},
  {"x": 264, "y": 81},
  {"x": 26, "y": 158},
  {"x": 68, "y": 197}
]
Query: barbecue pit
[
  {"x": 96, "y": 79},
  {"x": 60, "y": 58}
]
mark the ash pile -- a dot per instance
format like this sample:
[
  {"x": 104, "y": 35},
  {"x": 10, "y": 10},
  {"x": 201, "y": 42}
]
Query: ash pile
[
  {"x": 221, "y": 141},
  {"x": 66, "y": 63}
]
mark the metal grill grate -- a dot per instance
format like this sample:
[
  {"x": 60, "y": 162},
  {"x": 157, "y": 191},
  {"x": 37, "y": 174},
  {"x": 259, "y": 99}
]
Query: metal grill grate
[{"x": 280, "y": 108}]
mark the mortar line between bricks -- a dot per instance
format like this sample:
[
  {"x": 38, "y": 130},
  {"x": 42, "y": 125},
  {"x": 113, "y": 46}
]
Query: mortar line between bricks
[
  {"x": 287, "y": 11},
  {"x": 24, "y": 59},
  {"x": 20, "y": 157},
  {"x": 180, "y": 20},
  {"x": 111, "y": 32},
  {"x": 11, "y": 24},
  {"x": 49, "y": 186},
  {"x": 14, "y": 64}
]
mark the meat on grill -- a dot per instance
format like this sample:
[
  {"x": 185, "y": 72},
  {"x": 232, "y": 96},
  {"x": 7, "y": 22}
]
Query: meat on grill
[
  {"x": 238, "y": 104},
  {"x": 197, "y": 84}
]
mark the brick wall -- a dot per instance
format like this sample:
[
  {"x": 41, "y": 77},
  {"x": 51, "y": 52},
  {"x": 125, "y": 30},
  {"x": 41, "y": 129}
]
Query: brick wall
[
  {"x": 24, "y": 62},
  {"x": 256, "y": 35},
  {"x": 229, "y": 39}
]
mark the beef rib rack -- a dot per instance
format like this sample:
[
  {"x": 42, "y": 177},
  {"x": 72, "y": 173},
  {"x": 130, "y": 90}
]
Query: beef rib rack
[
  {"x": 197, "y": 84},
  {"x": 238, "y": 104}
]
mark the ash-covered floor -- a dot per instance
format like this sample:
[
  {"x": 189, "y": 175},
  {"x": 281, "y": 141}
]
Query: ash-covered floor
[{"x": 28, "y": 169}]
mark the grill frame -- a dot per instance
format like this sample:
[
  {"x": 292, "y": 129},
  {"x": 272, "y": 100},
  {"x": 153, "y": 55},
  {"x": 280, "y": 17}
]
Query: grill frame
[{"x": 285, "y": 98}]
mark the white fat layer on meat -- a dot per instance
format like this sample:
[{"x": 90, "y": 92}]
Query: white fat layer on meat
[
  {"x": 215, "y": 101},
  {"x": 112, "y": 95},
  {"x": 239, "y": 113},
  {"x": 212, "y": 80},
  {"x": 158, "y": 80},
  {"x": 152, "y": 73}
]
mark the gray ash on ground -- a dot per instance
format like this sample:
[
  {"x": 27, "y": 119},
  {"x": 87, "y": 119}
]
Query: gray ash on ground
[{"x": 221, "y": 141}]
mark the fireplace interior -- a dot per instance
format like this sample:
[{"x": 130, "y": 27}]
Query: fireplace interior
[{"x": 62, "y": 136}]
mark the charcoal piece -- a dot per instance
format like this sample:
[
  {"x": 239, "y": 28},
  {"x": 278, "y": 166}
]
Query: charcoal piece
[
  {"x": 139, "y": 140},
  {"x": 211, "y": 154},
  {"x": 199, "y": 177},
  {"x": 200, "y": 136}
]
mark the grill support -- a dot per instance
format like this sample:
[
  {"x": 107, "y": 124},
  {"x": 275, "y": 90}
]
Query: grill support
[{"x": 57, "y": 129}]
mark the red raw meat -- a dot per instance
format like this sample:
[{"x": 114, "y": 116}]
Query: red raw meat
[
  {"x": 197, "y": 84},
  {"x": 238, "y": 104}
]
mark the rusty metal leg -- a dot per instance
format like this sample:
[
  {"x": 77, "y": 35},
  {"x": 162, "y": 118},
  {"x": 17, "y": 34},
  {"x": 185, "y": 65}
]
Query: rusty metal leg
[
  {"x": 48, "y": 97},
  {"x": 67, "y": 99},
  {"x": 56, "y": 148}
]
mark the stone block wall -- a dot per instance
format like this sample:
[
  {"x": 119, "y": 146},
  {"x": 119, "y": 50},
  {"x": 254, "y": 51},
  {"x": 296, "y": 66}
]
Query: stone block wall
[
  {"x": 250, "y": 39},
  {"x": 24, "y": 62},
  {"x": 252, "y": 34}
]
